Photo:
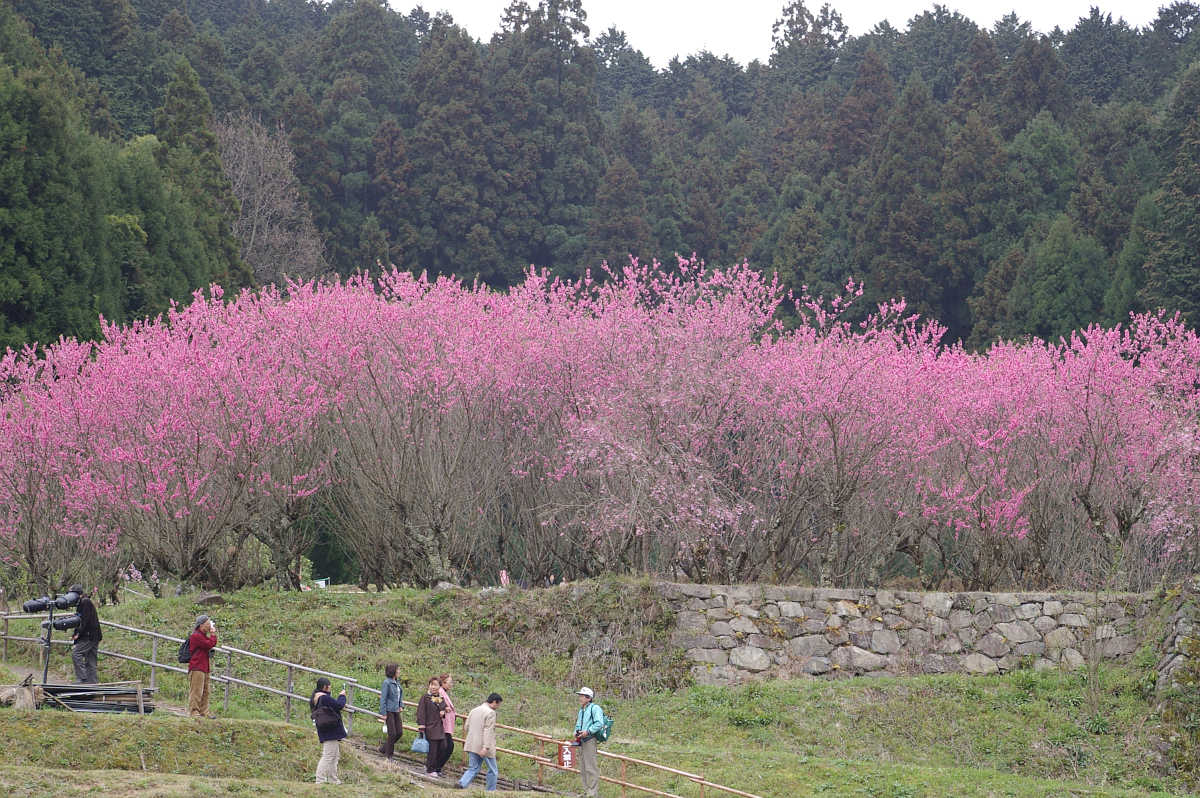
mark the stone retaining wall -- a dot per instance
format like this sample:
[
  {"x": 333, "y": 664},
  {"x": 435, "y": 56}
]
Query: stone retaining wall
[
  {"x": 1181, "y": 635},
  {"x": 734, "y": 634}
]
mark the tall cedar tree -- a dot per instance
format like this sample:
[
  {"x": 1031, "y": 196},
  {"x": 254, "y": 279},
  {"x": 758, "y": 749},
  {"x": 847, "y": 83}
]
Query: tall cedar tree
[
  {"x": 863, "y": 111},
  {"x": 619, "y": 227},
  {"x": 974, "y": 186},
  {"x": 393, "y": 193},
  {"x": 1062, "y": 282},
  {"x": 1173, "y": 260},
  {"x": 897, "y": 236},
  {"x": 191, "y": 157},
  {"x": 805, "y": 45},
  {"x": 1101, "y": 57},
  {"x": 979, "y": 85},
  {"x": 547, "y": 133},
  {"x": 456, "y": 186},
  {"x": 936, "y": 47},
  {"x": 1034, "y": 80}
]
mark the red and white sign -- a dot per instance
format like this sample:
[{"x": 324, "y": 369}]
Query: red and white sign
[{"x": 566, "y": 755}]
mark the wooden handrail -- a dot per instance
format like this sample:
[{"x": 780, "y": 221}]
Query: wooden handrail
[{"x": 540, "y": 737}]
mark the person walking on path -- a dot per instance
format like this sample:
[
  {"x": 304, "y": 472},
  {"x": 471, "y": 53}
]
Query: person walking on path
[
  {"x": 589, "y": 721},
  {"x": 480, "y": 742},
  {"x": 202, "y": 641},
  {"x": 429, "y": 723},
  {"x": 327, "y": 717},
  {"x": 447, "y": 682},
  {"x": 86, "y": 642},
  {"x": 391, "y": 699}
]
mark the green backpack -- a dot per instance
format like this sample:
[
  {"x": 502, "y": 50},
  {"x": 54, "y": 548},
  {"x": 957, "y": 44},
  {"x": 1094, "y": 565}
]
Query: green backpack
[{"x": 606, "y": 722}]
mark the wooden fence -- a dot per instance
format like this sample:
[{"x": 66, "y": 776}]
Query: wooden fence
[{"x": 547, "y": 746}]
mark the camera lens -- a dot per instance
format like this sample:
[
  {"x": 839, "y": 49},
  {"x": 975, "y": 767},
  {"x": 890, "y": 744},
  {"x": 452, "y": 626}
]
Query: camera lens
[
  {"x": 69, "y": 599},
  {"x": 67, "y": 622},
  {"x": 64, "y": 623},
  {"x": 37, "y": 605}
]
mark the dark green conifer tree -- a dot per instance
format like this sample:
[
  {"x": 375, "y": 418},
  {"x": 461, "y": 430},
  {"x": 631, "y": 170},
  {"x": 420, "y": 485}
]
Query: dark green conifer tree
[
  {"x": 897, "y": 237},
  {"x": 1173, "y": 257},
  {"x": 191, "y": 158}
]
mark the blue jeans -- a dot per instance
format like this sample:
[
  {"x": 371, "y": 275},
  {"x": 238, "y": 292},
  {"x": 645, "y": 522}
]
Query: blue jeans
[{"x": 477, "y": 762}]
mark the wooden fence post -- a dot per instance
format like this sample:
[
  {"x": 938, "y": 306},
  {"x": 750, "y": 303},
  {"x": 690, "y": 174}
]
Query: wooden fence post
[
  {"x": 287, "y": 702},
  {"x": 153, "y": 660},
  {"x": 141, "y": 704},
  {"x": 228, "y": 673},
  {"x": 541, "y": 755}
]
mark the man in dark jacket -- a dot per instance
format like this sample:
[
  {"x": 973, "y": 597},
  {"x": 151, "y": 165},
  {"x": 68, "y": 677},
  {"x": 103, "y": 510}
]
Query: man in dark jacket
[
  {"x": 86, "y": 642},
  {"x": 201, "y": 642}
]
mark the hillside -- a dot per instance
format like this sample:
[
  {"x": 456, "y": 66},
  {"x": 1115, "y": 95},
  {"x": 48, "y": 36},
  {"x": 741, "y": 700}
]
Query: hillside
[
  {"x": 1026, "y": 733},
  {"x": 1005, "y": 180}
]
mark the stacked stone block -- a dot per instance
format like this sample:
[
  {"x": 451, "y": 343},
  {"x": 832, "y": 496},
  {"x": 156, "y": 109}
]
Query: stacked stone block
[
  {"x": 1182, "y": 628},
  {"x": 733, "y": 634}
]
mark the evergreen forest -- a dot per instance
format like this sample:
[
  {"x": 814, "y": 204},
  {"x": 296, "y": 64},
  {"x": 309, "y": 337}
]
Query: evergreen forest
[{"x": 1004, "y": 180}]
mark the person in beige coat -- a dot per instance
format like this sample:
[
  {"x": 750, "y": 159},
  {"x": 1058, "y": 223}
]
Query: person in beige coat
[{"x": 480, "y": 742}]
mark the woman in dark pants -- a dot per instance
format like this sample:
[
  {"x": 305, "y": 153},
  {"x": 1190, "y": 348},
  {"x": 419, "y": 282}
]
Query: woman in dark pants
[
  {"x": 391, "y": 700},
  {"x": 430, "y": 714},
  {"x": 86, "y": 643}
]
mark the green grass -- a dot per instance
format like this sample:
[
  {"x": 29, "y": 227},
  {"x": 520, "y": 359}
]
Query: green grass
[
  {"x": 1024, "y": 733},
  {"x": 220, "y": 748},
  {"x": 27, "y": 782}
]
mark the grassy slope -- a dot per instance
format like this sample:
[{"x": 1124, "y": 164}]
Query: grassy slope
[
  {"x": 1021, "y": 734},
  {"x": 28, "y": 782}
]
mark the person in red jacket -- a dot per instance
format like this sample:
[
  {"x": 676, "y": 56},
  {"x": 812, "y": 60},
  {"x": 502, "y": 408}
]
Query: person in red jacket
[{"x": 201, "y": 642}]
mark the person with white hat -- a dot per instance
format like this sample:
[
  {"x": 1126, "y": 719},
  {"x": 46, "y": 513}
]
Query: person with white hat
[{"x": 589, "y": 721}]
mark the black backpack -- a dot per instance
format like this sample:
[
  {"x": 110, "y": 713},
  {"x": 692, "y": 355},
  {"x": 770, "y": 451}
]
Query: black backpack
[
  {"x": 325, "y": 718},
  {"x": 185, "y": 650}
]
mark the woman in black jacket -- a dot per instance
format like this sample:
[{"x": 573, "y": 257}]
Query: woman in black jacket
[
  {"x": 327, "y": 717},
  {"x": 86, "y": 641}
]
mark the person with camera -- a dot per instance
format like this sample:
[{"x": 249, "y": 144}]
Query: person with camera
[
  {"x": 85, "y": 642},
  {"x": 202, "y": 641},
  {"x": 589, "y": 721},
  {"x": 327, "y": 717}
]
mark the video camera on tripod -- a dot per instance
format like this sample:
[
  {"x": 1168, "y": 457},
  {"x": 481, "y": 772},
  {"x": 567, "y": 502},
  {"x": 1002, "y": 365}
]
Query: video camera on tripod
[{"x": 62, "y": 601}]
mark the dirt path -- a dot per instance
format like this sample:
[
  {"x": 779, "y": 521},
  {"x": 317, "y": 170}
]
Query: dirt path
[{"x": 413, "y": 765}]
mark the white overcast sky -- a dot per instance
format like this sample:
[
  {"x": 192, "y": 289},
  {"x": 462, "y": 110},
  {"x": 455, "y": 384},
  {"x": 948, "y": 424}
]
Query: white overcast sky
[{"x": 742, "y": 28}]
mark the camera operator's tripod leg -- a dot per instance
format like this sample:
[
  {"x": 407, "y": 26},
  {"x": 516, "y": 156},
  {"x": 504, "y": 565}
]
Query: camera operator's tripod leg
[{"x": 46, "y": 653}]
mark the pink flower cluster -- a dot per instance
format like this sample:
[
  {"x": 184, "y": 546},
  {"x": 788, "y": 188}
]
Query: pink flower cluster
[{"x": 661, "y": 420}]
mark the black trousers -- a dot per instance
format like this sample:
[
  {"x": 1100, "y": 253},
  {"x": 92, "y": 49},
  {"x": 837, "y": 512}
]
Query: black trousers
[
  {"x": 395, "y": 730},
  {"x": 83, "y": 657},
  {"x": 447, "y": 750},
  {"x": 433, "y": 759}
]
